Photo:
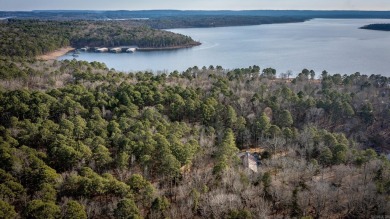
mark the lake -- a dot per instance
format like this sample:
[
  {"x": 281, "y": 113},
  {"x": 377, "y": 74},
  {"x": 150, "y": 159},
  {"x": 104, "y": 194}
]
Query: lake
[{"x": 335, "y": 45}]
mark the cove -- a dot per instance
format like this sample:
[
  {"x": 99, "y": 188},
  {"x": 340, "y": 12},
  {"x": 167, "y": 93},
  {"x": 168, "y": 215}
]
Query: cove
[{"x": 335, "y": 45}]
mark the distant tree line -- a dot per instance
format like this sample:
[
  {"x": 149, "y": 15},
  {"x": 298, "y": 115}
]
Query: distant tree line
[
  {"x": 174, "y": 14},
  {"x": 216, "y": 21}
]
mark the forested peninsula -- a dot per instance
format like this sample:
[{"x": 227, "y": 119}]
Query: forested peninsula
[
  {"x": 380, "y": 27},
  {"x": 215, "y": 21},
  {"x": 31, "y": 38}
]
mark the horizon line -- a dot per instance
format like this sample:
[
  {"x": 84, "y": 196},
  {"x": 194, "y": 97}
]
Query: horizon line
[{"x": 238, "y": 10}]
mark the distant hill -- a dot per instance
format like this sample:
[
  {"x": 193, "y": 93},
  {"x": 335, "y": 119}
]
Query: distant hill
[{"x": 167, "y": 19}]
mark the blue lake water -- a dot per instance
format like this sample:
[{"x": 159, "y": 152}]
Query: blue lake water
[{"x": 335, "y": 45}]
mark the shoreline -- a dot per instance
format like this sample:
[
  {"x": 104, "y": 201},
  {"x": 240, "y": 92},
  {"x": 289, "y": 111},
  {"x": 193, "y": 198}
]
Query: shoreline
[
  {"x": 63, "y": 51},
  {"x": 55, "y": 54}
]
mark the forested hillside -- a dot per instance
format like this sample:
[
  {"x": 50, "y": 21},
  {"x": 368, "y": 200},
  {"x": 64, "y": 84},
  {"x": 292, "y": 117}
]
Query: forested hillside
[
  {"x": 79, "y": 140},
  {"x": 30, "y": 38}
]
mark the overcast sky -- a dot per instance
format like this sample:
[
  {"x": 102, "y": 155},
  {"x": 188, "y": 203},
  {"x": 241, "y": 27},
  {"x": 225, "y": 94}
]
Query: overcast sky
[{"x": 7, "y": 5}]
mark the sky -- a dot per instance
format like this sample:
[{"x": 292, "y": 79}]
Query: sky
[{"x": 26, "y": 5}]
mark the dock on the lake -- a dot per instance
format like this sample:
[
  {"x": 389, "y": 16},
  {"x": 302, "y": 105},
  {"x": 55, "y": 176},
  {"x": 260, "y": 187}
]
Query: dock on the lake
[
  {"x": 116, "y": 50},
  {"x": 119, "y": 49},
  {"x": 104, "y": 49}
]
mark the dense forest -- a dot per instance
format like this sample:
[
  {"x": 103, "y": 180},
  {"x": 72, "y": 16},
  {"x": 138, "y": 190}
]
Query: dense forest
[
  {"x": 79, "y": 140},
  {"x": 382, "y": 27},
  {"x": 30, "y": 38}
]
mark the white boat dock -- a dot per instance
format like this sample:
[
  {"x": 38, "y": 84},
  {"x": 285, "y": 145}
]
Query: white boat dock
[
  {"x": 131, "y": 50},
  {"x": 116, "y": 50},
  {"x": 104, "y": 49}
]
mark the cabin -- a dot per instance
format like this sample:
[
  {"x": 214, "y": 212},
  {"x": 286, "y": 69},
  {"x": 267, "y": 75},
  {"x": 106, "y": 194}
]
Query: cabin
[
  {"x": 116, "y": 50},
  {"x": 249, "y": 161},
  {"x": 102, "y": 49}
]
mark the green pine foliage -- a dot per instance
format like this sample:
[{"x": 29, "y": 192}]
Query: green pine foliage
[{"x": 78, "y": 140}]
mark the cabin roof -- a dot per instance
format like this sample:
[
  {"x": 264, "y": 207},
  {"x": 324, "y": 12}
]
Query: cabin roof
[{"x": 249, "y": 161}]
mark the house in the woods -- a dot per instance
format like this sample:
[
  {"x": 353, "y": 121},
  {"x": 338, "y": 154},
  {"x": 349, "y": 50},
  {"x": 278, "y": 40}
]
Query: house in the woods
[{"x": 249, "y": 160}]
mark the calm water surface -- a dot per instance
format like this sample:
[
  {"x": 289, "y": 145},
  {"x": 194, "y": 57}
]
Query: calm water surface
[{"x": 335, "y": 45}]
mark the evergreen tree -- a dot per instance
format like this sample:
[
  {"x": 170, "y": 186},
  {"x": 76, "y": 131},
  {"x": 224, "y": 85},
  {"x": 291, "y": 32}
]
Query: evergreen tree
[
  {"x": 74, "y": 210},
  {"x": 7, "y": 211},
  {"x": 127, "y": 209}
]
